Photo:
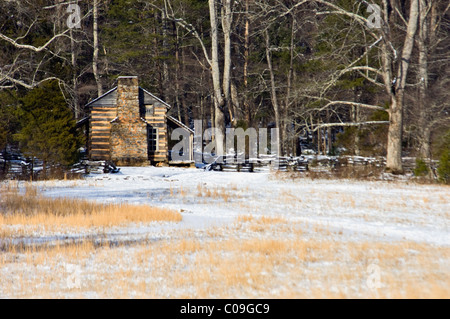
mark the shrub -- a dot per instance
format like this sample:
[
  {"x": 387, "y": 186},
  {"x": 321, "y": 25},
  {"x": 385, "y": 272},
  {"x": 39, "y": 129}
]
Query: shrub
[
  {"x": 444, "y": 167},
  {"x": 421, "y": 168},
  {"x": 48, "y": 128}
]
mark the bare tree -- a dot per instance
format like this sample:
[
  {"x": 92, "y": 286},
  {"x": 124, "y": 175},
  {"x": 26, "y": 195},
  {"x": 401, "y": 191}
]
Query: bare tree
[
  {"x": 219, "y": 98},
  {"x": 222, "y": 91},
  {"x": 394, "y": 61},
  {"x": 221, "y": 82},
  {"x": 431, "y": 35},
  {"x": 95, "y": 60},
  {"x": 396, "y": 89},
  {"x": 28, "y": 64},
  {"x": 273, "y": 90}
]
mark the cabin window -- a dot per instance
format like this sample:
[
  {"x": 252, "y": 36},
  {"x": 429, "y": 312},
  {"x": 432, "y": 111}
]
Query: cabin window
[
  {"x": 152, "y": 133},
  {"x": 149, "y": 111}
]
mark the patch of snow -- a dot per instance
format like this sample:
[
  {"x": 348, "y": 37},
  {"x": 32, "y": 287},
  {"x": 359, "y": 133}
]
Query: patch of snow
[{"x": 358, "y": 209}]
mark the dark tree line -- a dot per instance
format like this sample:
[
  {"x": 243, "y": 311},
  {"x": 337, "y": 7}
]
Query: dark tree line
[{"x": 349, "y": 78}]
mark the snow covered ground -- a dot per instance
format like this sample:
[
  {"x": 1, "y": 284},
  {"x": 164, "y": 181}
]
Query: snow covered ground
[
  {"x": 381, "y": 210},
  {"x": 243, "y": 235}
]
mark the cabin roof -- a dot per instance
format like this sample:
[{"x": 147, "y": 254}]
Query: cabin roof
[
  {"x": 82, "y": 121},
  {"x": 180, "y": 124},
  {"x": 113, "y": 93},
  {"x": 155, "y": 97},
  {"x": 101, "y": 97}
]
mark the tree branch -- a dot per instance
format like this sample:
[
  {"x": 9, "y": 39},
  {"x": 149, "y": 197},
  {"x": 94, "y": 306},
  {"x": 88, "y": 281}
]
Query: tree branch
[
  {"x": 188, "y": 27},
  {"x": 31, "y": 47},
  {"x": 319, "y": 126},
  {"x": 363, "y": 105},
  {"x": 22, "y": 83}
]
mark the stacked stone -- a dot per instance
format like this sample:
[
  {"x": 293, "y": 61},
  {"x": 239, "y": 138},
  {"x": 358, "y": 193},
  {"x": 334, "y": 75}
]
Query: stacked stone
[{"x": 128, "y": 140}]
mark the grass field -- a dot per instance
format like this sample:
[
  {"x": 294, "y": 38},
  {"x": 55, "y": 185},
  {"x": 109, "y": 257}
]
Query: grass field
[{"x": 157, "y": 243}]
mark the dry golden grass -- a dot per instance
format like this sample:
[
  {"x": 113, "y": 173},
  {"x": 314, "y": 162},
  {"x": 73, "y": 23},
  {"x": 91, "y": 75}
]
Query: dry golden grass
[
  {"x": 240, "y": 263},
  {"x": 30, "y": 209},
  {"x": 256, "y": 257},
  {"x": 262, "y": 223},
  {"x": 218, "y": 193}
]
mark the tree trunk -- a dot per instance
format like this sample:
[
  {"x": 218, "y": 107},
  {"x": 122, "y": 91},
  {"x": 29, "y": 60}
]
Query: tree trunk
[
  {"x": 235, "y": 105},
  {"x": 183, "y": 97},
  {"x": 247, "y": 111},
  {"x": 356, "y": 119},
  {"x": 319, "y": 142},
  {"x": 284, "y": 111},
  {"x": 394, "y": 145},
  {"x": 177, "y": 75},
  {"x": 227, "y": 20},
  {"x": 211, "y": 114},
  {"x": 273, "y": 92},
  {"x": 165, "y": 46},
  {"x": 76, "y": 103},
  {"x": 219, "y": 99},
  {"x": 423, "y": 36},
  {"x": 327, "y": 140},
  {"x": 96, "y": 48}
]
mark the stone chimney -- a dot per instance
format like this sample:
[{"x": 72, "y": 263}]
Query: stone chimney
[
  {"x": 128, "y": 139},
  {"x": 128, "y": 98}
]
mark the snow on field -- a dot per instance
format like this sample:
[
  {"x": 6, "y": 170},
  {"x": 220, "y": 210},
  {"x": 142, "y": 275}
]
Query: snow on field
[
  {"x": 356, "y": 209},
  {"x": 242, "y": 235}
]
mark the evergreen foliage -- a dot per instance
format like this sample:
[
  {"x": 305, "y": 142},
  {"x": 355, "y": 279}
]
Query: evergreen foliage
[
  {"x": 444, "y": 167},
  {"x": 310, "y": 45},
  {"x": 8, "y": 117},
  {"x": 48, "y": 129},
  {"x": 421, "y": 168}
]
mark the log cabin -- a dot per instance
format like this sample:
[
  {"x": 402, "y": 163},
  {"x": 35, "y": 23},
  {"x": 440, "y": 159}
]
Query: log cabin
[{"x": 130, "y": 126}]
